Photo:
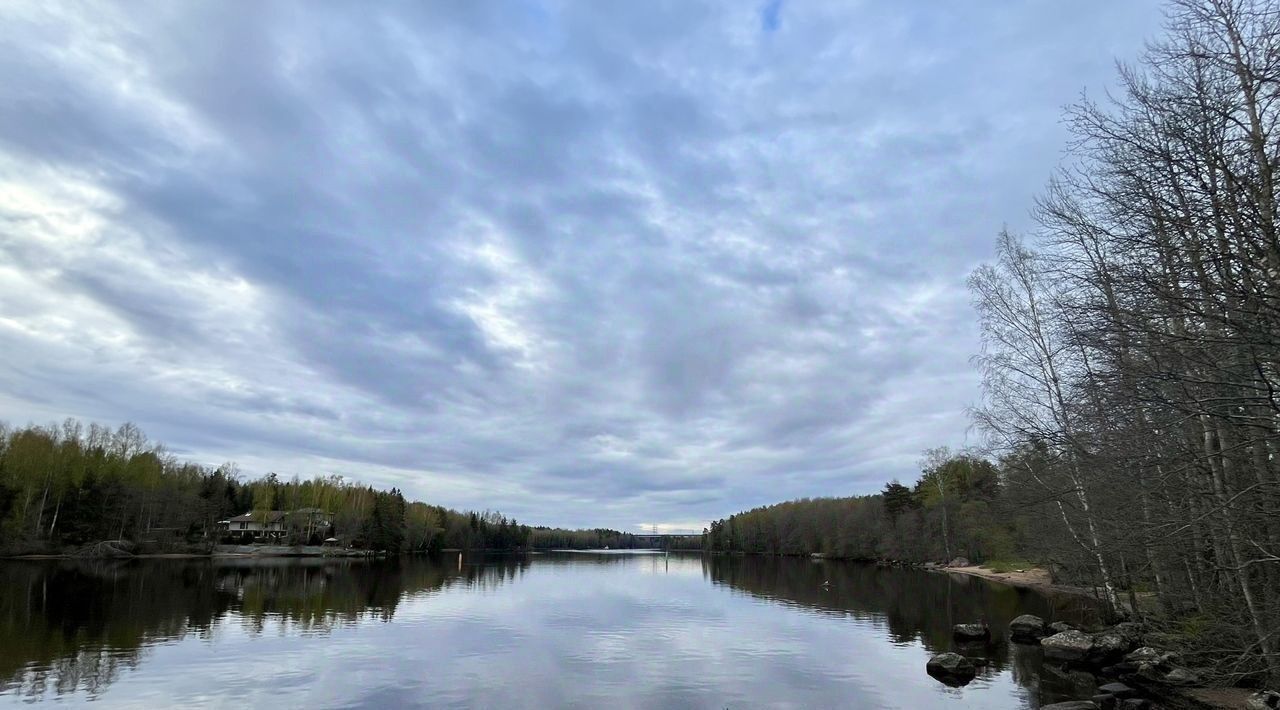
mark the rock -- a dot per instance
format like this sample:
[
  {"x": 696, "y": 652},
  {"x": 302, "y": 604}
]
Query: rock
[
  {"x": 1132, "y": 633},
  {"x": 1151, "y": 673},
  {"x": 1109, "y": 696},
  {"x": 1148, "y": 663},
  {"x": 959, "y": 562},
  {"x": 1182, "y": 676},
  {"x": 1107, "y": 647},
  {"x": 951, "y": 668},
  {"x": 1135, "y": 704},
  {"x": 1071, "y": 705},
  {"x": 1148, "y": 656},
  {"x": 1067, "y": 646},
  {"x": 952, "y": 663},
  {"x": 1120, "y": 690},
  {"x": 1263, "y": 700},
  {"x": 971, "y": 632},
  {"x": 1027, "y": 627},
  {"x": 1058, "y": 627}
]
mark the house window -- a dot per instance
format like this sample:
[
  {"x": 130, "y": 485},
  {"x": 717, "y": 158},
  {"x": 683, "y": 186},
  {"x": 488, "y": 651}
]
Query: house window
[{"x": 244, "y": 526}]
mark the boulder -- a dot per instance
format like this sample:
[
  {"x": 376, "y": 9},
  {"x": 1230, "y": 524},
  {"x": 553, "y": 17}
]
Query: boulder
[
  {"x": 1107, "y": 647},
  {"x": 1263, "y": 700},
  {"x": 1058, "y": 627},
  {"x": 959, "y": 562},
  {"x": 951, "y": 668},
  {"x": 1112, "y": 696},
  {"x": 1027, "y": 627},
  {"x": 1132, "y": 633},
  {"x": 971, "y": 632},
  {"x": 1150, "y": 673},
  {"x": 1148, "y": 663},
  {"x": 1071, "y": 705},
  {"x": 1147, "y": 655},
  {"x": 1067, "y": 646},
  {"x": 1135, "y": 704}
]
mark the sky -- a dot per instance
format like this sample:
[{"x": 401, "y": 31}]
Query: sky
[{"x": 621, "y": 264}]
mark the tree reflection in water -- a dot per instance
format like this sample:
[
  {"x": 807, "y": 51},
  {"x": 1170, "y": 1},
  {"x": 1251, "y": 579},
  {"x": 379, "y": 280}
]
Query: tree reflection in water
[
  {"x": 917, "y": 606},
  {"x": 72, "y": 625}
]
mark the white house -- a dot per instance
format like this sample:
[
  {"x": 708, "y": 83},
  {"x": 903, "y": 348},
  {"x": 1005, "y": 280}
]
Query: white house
[
  {"x": 276, "y": 524},
  {"x": 265, "y": 524}
]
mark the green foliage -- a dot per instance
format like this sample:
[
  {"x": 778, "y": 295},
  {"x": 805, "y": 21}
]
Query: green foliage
[
  {"x": 898, "y": 499},
  {"x": 950, "y": 510},
  {"x": 544, "y": 538},
  {"x": 67, "y": 486}
]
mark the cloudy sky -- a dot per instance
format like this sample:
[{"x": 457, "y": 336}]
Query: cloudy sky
[{"x": 589, "y": 263}]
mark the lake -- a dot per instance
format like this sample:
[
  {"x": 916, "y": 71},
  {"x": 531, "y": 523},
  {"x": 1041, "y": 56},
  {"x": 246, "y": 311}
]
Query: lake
[{"x": 616, "y": 630}]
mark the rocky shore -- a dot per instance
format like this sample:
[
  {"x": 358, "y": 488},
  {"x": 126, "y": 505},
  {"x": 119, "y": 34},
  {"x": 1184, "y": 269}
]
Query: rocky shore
[{"x": 1123, "y": 664}]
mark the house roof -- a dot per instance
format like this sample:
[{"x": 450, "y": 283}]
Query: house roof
[{"x": 270, "y": 516}]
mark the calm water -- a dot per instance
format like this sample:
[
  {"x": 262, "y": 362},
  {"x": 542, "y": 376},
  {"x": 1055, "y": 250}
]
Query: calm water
[{"x": 555, "y": 630}]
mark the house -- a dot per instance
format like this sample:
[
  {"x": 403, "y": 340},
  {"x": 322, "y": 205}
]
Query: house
[
  {"x": 266, "y": 524},
  {"x": 276, "y": 524}
]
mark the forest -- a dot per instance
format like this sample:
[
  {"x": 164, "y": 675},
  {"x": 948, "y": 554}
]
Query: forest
[
  {"x": 66, "y": 486},
  {"x": 544, "y": 538},
  {"x": 70, "y": 485},
  {"x": 1130, "y": 362},
  {"x": 956, "y": 509}
]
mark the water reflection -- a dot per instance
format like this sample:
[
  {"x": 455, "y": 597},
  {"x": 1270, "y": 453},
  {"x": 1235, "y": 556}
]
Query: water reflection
[
  {"x": 72, "y": 625},
  {"x": 915, "y": 605},
  {"x": 918, "y": 606},
  {"x": 547, "y": 630}
]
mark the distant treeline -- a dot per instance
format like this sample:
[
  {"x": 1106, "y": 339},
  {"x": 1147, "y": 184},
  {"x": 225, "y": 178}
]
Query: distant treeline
[
  {"x": 544, "y": 538},
  {"x": 65, "y": 486},
  {"x": 956, "y": 509}
]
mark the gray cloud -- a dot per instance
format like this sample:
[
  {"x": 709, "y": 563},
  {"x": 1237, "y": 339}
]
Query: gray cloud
[{"x": 589, "y": 263}]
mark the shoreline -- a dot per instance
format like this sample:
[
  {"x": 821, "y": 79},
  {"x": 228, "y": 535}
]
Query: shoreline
[
  {"x": 273, "y": 551},
  {"x": 1036, "y": 578},
  {"x": 181, "y": 556}
]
